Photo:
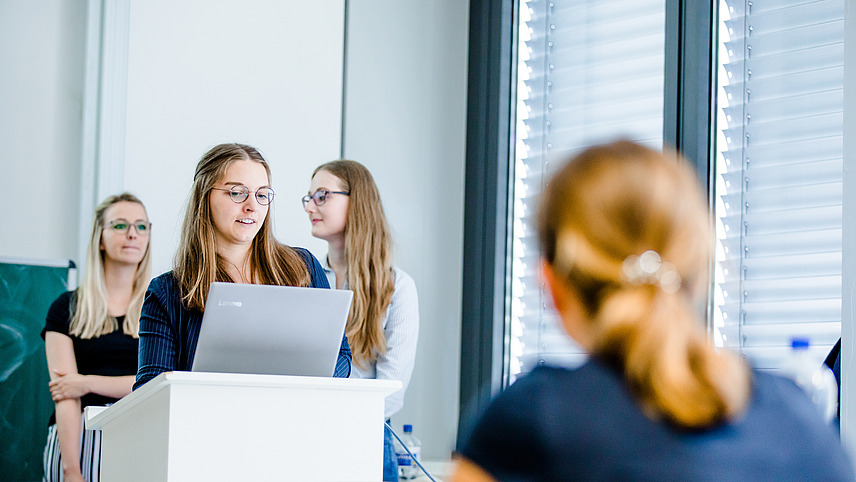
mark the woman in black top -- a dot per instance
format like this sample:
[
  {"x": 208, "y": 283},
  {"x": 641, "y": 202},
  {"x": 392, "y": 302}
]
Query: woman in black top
[{"x": 91, "y": 335}]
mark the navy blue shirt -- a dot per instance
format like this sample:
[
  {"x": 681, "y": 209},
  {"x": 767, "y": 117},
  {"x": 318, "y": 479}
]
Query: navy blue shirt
[
  {"x": 584, "y": 424},
  {"x": 169, "y": 331}
]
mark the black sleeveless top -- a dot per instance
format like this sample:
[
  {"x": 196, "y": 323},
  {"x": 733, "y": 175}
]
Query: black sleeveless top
[{"x": 113, "y": 354}]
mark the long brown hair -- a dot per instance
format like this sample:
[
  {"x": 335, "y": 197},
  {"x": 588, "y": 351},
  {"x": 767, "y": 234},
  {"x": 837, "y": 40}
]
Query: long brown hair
[
  {"x": 606, "y": 207},
  {"x": 91, "y": 316},
  {"x": 368, "y": 251},
  {"x": 197, "y": 263}
]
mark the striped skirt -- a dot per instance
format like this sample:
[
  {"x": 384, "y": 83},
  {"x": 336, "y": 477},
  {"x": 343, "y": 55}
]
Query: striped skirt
[{"x": 90, "y": 456}]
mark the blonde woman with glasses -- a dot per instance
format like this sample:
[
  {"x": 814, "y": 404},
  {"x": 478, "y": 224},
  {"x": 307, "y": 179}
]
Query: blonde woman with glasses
[
  {"x": 91, "y": 336},
  {"x": 227, "y": 236},
  {"x": 345, "y": 209},
  {"x": 626, "y": 244}
]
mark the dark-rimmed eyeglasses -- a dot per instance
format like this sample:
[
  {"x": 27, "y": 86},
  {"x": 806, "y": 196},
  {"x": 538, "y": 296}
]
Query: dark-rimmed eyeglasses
[
  {"x": 239, "y": 193},
  {"x": 123, "y": 226},
  {"x": 320, "y": 196}
]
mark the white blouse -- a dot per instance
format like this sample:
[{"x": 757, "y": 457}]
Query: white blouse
[{"x": 401, "y": 329}]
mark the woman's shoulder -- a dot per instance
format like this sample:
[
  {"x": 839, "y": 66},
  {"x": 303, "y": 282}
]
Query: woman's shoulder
[
  {"x": 164, "y": 282},
  {"x": 773, "y": 393},
  {"x": 165, "y": 288},
  {"x": 768, "y": 387},
  {"x": 65, "y": 298},
  {"x": 780, "y": 411},
  {"x": 402, "y": 279},
  {"x": 546, "y": 383},
  {"x": 400, "y": 273},
  {"x": 60, "y": 312},
  {"x": 780, "y": 405},
  {"x": 590, "y": 369},
  {"x": 318, "y": 279},
  {"x": 530, "y": 406},
  {"x": 63, "y": 306},
  {"x": 404, "y": 288},
  {"x": 302, "y": 252},
  {"x": 577, "y": 395}
]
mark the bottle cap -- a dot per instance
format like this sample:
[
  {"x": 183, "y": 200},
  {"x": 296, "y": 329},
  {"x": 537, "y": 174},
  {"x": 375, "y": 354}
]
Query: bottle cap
[
  {"x": 799, "y": 342},
  {"x": 408, "y": 428}
]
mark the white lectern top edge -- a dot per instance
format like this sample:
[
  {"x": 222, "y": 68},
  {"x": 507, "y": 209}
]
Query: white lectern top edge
[{"x": 98, "y": 416}]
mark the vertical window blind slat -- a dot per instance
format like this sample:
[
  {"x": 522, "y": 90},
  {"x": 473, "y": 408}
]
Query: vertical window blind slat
[
  {"x": 588, "y": 71},
  {"x": 779, "y": 171}
]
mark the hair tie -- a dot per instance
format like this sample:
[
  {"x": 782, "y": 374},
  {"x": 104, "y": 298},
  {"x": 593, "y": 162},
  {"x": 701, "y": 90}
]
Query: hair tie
[{"x": 647, "y": 268}]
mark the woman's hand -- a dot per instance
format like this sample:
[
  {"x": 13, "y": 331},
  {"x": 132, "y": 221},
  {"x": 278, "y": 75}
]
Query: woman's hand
[
  {"x": 73, "y": 477},
  {"x": 466, "y": 471},
  {"x": 68, "y": 385}
]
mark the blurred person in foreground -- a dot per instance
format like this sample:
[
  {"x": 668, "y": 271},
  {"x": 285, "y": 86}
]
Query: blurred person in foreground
[{"x": 626, "y": 244}]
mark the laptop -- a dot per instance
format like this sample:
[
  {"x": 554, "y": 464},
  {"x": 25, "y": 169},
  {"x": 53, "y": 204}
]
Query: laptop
[{"x": 272, "y": 330}]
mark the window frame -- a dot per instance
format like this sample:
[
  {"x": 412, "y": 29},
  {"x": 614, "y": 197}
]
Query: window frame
[
  {"x": 688, "y": 95},
  {"x": 489, "y": 129}
]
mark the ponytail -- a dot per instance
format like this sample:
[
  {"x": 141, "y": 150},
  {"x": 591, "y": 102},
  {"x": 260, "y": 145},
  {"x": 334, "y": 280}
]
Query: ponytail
[
  {"x": 605, "y": 220},
  {"x": 670, "y": 365}
]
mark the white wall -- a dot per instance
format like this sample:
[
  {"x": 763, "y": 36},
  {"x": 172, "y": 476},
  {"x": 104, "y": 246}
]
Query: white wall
[
  {"x": 42, "y": 58},
  {"x": 405, "y": 119},
  {"x": 262, "y": 72}
]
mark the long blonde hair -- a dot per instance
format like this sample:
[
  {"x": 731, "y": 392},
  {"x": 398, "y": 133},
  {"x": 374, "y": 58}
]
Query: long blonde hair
[
  {"x": 91, "y": 316},
  {"x": 197, "y": 263},
  {"x": 368, "y": 251},
  {"x": 605, "y": 208}
]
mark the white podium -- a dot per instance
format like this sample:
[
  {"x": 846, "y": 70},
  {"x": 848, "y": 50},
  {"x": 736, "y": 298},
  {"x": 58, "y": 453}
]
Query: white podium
[{"x": 184, "y": 426}]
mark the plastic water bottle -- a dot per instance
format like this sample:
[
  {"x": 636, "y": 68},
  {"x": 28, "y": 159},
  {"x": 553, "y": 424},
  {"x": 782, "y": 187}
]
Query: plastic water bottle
[
  {"x": 407, "y": 468},
  {"x": 815, "y": 378}
]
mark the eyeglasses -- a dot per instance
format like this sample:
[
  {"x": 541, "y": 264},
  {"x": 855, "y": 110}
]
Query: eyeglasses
[
  {"x": 320, "y": 197},
  {"x": 123, "y": 226},
  {"x": 239, "y": 194}
]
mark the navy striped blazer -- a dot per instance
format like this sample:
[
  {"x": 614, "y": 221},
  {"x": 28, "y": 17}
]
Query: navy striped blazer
[{"x": 169, "y": 331}]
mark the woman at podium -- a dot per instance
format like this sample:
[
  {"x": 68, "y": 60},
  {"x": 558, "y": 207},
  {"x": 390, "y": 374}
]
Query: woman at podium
[
  {"x": 345, "y": 209},
  {"x": 91, "y": 336},
  {"x": 227, "y": 237}
]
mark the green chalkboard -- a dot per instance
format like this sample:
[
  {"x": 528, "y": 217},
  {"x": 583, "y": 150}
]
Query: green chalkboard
[{"x": 27, "y": 289}]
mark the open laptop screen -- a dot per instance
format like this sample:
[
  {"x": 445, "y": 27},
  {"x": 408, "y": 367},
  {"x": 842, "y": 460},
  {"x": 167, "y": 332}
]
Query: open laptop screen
[{"x": 275, "y": 330}]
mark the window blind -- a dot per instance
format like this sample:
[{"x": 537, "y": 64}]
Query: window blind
[
  {"x": 779, "y": 176},
  {"x": 588, "y": 71}
]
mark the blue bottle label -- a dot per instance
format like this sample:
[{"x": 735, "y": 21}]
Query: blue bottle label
[{"x": 404, "y": 460}]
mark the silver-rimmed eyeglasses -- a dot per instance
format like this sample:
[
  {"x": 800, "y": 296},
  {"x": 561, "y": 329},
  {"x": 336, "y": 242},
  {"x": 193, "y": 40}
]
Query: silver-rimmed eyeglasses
[
  {"x": 320, "y": 196},
  {"x": 123, "y": 226},
  {"x": 239, "y": 193}
]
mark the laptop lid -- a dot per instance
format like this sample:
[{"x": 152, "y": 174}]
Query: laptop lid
[{"x": 273, "y": 330}]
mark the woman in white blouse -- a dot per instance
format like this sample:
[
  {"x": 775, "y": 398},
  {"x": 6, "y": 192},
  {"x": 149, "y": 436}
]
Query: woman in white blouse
[{"x": 345, "y": 209}]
